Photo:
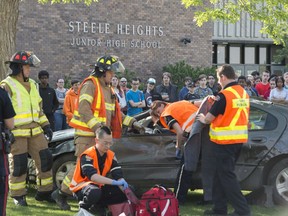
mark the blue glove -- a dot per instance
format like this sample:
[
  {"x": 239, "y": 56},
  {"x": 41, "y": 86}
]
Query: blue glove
[
  {"x": 178, "y": 154},
  {"x": 120, "y": 182}
]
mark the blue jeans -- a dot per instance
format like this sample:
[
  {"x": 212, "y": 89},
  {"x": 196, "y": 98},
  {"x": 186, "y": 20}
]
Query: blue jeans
[{"x": 60, "y": 121}]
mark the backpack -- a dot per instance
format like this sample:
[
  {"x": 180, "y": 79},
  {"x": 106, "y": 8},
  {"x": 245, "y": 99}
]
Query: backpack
[{"x": 158, "y": 201}]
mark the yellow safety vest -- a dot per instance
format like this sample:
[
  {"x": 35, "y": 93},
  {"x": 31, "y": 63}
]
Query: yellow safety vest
[{"x": 26, "y": 106}]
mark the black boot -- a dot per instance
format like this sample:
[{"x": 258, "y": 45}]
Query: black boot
[
  {"x": 44, "y": 196},
  {"x": 182, "y": 184},
  {"x": 20, "y": 200},
  {"x": 60, "y": 199}
]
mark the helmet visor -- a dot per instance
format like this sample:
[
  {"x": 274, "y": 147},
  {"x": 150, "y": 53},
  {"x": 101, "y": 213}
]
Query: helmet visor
[
  {"x": 33, "y": 60},
  {"x": 118, "y": 67}
]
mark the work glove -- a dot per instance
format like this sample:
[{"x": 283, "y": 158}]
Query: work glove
[
  {"x": 178, "y": 154},
  {"x": 48, "y": 132},
  {"x": 120, "y": 182},
  {"x": 139, "y": 127}
]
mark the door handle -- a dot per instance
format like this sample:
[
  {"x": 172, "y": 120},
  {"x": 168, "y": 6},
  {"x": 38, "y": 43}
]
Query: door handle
[{"x": 259, "y": 139}]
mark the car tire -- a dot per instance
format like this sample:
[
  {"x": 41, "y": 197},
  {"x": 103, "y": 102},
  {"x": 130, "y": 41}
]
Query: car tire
[
  {"x": 61, "y": 167},
  {"x": 278, "y": 179}
]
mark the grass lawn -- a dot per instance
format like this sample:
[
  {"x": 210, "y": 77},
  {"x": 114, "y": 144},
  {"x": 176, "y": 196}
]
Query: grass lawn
[{"x": 36, "y": 208}]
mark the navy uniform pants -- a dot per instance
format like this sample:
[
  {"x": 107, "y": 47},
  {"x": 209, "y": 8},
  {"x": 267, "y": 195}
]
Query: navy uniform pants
[
  {"x": 3, "y": 194},
  {"x": 226, "y": 187},
  {"x": 93, "y": 195}
]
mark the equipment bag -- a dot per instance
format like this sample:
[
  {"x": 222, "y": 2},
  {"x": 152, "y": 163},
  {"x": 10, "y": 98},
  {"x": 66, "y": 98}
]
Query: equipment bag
[
  {"x": 126, "y": 209},
  {"x": 158, "y": 201}
]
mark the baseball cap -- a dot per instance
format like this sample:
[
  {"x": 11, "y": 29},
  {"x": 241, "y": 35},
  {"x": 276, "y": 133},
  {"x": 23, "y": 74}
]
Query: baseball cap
[
  {"x": 123, "y": 79},
  {"x": 151, "y": 81}
]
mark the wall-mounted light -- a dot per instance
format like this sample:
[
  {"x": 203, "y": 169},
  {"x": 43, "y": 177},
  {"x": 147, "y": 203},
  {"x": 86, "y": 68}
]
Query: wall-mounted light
[{"x": 185, "y": 40}]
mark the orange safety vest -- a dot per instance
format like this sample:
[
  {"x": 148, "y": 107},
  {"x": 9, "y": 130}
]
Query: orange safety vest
[
  {"x": 99, "y": 110},
  {"x": 79, "y": 181},
  {"x": 183, "y": 112},
  {"x": 232, "y": 126}
]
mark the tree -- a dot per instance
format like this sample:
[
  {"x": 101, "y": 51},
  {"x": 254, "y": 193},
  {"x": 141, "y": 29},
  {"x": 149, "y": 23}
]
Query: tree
[
  {"x": 9, "y": 12},
  {"x": 273, "y": 14}
]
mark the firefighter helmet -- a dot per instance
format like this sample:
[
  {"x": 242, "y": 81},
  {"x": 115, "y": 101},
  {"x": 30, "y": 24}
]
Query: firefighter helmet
[
  {"x": 24, "y": 58},
  {"x": 109, "y": 63}
]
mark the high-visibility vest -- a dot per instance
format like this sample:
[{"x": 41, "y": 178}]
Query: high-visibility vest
[
  {"x": 183, "y": 112},
  {"x": 26, "y": 106},
  {"x": 232, "y": 126},
  {"x": 98, "y": 108},
  {"x": 79, "y": 181}
]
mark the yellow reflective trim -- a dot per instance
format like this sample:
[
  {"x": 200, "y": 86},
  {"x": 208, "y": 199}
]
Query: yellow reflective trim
[
  {"x": 43, "y": 119},
  {"x": 127, "y": 120},
  {"x": 44, "y": 182},
  {"x": 92, "y": 122},
  {"x": 229, "y": 137},
  {"x": 110, "y": 106},
  {"x": 99, "y": 95},
  {"x": 27, "y": 132},
  {"x": 227, "y": 128},
  {"x": 66, "y": 181},
  {"x": 84, "y": 133},
  {"x": 17, "y": 186},
  {"x": 86, "y": 97}
]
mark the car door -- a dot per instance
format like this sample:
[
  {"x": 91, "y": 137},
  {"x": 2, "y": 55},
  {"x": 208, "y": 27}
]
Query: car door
[
  {"x": 147, "y": 159},
  {"x": 266, "y": 126}
]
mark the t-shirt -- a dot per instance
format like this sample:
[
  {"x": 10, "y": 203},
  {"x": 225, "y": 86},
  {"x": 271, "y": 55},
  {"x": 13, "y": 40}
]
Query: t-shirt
[
  {"x": 203, "y": 92},
  {"x": 279, "y": 94},
  {"x": 135, "y": 96},
  {"x": 262, "y": 88},
  {"x": 6, "y": 112}
]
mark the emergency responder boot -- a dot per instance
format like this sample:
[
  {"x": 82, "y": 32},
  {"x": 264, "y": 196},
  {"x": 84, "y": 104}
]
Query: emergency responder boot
[
  {"x": 60, "y": 199},
  {"x": 44, "y": 196},
  {"x": 20, "y": 201}
]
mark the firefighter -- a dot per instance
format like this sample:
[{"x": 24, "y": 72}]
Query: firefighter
[
  {"x": 97, "y": 106},
  {"x": 30, "y": 126}
]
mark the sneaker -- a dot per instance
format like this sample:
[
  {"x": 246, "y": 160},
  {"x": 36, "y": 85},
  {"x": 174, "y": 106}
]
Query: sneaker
[
  {"x": 20, "y": 201},
  {"x": 44, "y": 196},
  {"x": 61, "y": 200}
]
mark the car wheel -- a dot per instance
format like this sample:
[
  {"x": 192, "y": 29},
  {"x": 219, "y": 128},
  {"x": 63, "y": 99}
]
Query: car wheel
[
  {"x": 278, "y": 179},
  {"x": 61, "y": 167}
]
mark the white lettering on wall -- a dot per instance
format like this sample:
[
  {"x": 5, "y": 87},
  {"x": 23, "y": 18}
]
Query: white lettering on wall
[{"x": 80, "y": 29}]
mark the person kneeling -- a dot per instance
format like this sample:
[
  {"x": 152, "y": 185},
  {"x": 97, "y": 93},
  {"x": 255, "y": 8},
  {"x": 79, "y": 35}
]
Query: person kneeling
[{"x": 90, "y": 185}]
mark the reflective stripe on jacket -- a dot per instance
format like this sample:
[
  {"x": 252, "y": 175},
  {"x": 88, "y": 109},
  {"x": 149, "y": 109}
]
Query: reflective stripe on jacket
[
  {"x": 98, "y": 107},
  {"x": 79, "y": 181},
  {"x": 232, "y": 126},
  {"x": 183, "y": 112},
  {"x": 25, "y": 104}
]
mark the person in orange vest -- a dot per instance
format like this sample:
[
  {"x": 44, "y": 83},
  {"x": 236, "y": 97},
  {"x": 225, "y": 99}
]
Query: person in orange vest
[
  {"x": 71, "y": 100},
  {"x": 228, "y": 119},
  {"x": 89, "y": 184},
  {"x": 96, "y": 106},
  {"x": 178, "y": 117}
]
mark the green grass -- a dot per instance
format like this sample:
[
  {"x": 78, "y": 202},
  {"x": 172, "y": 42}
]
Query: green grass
[{"x": 36, "y": 208}]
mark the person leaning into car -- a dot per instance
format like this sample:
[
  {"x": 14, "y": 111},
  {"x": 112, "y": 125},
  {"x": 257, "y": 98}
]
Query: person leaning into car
[
  {"x": 228, "y": 131},
  {"x": 97, "y": 105},
  {"x": 90, "y": 184},
  {"x": 31, "y": 126},
  {"x": 178, "y": 117}
]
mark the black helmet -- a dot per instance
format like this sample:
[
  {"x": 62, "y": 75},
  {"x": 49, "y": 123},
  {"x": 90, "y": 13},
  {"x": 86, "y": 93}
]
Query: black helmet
[
  {"x": 24, "y": 58},
  {"x": 109, "y": 63}
]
